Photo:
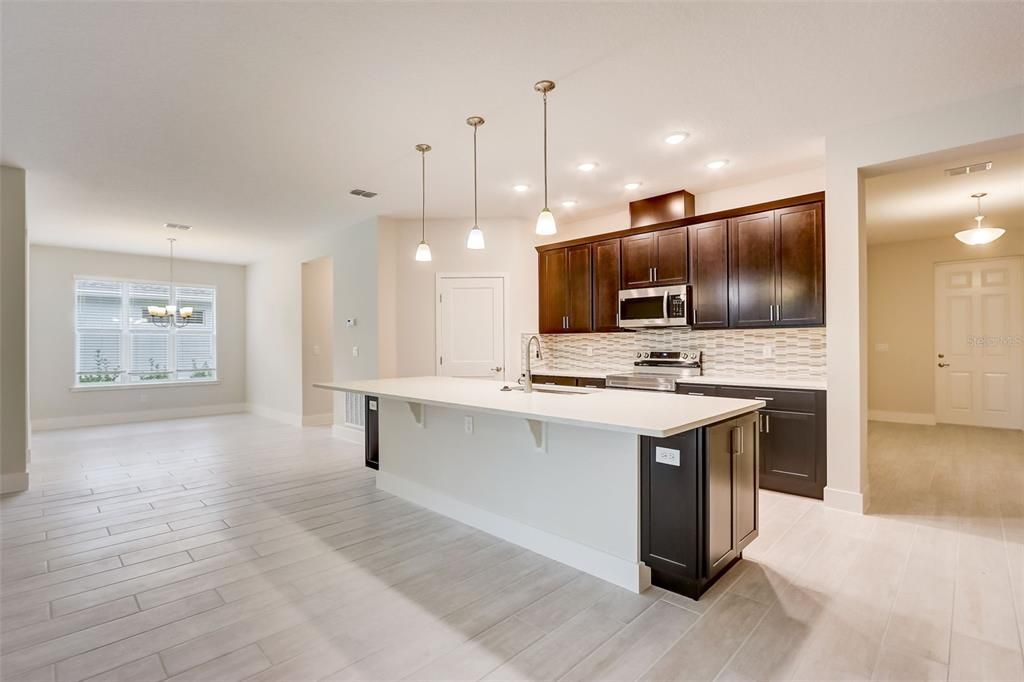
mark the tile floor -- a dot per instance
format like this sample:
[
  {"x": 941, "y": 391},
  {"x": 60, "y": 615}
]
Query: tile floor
[{"x": 232, "y": 548}]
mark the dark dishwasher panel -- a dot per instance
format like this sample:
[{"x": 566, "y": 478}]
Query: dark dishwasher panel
[{"x": 372, "y": 431}]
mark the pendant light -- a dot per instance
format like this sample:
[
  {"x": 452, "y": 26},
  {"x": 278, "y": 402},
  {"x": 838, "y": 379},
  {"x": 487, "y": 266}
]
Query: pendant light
[
  {"x": 978, "y": 235},
  {"x": 423, "y": 250},
  {"x": 167, "y": 315},
  {"x": 475, "y": 240},
  {"x": 546, "y": 219}
]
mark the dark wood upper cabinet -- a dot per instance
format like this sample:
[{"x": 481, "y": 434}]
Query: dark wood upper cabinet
[
  {"x": 553, "y": 289},
  {"x": 752, "y": 268},
  {"x": 801, "y": 282},
  {"x": 670, "y": 266},
  {"x": 777, "y": 268},
  {"x": 654, "y": 258},
  {"x": 578, "y": 308},
  {"x": 638, "y": 254},
  {"x": 709, "y": 274},
  {"x": 565, "y": 290},
  {"x": 607, "y": 275}
]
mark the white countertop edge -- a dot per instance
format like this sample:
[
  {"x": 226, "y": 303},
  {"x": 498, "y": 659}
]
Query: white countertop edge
[
  {"x": 806, "y": 383},
  {"x": 751, "y": 406}
]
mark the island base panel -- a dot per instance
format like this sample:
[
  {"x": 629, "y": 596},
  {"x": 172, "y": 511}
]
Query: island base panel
[{"x": 570, "y": 493}]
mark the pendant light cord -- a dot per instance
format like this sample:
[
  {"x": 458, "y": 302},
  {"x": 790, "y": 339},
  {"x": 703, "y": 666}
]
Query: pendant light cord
[
  {"x": 545, "y": 150},
  {"x": 423, "y": 203},
  {"x": 475, "y": 220}
]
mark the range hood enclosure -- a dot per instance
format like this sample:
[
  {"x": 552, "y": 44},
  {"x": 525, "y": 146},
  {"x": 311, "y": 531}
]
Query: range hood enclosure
[{"x": 663, "y": 208}]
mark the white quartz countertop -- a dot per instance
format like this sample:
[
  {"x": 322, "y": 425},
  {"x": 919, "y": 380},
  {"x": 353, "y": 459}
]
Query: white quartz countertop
[
  {"x": 639, "y": 412},
  {"x": 806, "y": 383}
]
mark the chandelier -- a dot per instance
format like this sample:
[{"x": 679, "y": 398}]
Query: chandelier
[{"x": 166, "y": 315}]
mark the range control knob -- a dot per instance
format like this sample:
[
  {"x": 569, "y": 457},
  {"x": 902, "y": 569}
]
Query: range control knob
[
  {"x": 639, "y": 355},
  {"x": 647, "y": 355}
]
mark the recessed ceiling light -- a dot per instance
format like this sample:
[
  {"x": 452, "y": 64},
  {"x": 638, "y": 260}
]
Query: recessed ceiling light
[
  {"x": 587, "y": 167},
  {"x": 717, "y": 163},
  {"x": 632, "y": 185},
  {"x": 177, "y": 226},
  {"x": 676, "y": 138},
  {"x": 569, "y": 203},
  {"x": 520, "y": 188}
]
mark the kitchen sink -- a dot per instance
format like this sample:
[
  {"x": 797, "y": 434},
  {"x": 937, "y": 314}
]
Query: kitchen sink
[{"x": 564, "y": 390}]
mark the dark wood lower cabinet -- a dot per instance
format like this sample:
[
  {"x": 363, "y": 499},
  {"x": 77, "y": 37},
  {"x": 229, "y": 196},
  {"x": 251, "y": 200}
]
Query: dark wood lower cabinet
[
  {"x": 553, "y": 380},
  {"x": 371, "y": 428},
  {"x": 698, "y": 503},
  {"x": 793, "y": 437}
]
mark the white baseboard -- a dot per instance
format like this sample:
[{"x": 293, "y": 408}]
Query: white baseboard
[
  {"x": 318, "y": 419},
  {"x": 276, "y": 415},
  {"x": 631, "y": 576},
  {"x": 348, "y": 433},
  {"x": 845, "y": 500},
  {"x": 137, "y": 416},
  {"x": 924, "y": 418},
  {"x": 13, "y": 483}
]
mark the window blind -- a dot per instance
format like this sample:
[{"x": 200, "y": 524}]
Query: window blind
[{"x": 116, "y": 343}]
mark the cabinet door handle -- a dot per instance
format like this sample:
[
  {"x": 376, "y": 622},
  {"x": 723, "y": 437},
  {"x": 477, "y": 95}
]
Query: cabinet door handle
[
  {"x": 761, "y": 397},
  {"x": 778, "y": 312},
  {"x": 771, "y": 313},
  {"x": 693, "y": 393},
  {"x": 737, "y": 440},
  {"x": 655, "y": 277},
  {"x": 767, "y": 423}
]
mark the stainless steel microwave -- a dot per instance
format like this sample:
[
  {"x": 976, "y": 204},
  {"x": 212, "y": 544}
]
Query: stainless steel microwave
[{"x": 655, "y": 307}]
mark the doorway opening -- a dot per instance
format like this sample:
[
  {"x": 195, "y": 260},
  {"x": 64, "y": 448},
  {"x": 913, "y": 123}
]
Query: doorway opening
[{"x": 317, "y": 340}]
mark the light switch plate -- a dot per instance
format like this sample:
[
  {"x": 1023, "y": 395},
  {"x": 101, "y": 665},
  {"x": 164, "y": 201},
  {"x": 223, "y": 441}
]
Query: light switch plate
[
  {"x": 469, "y": 424},
  {"x": 666, "y": 456},
  {"x": 767, "y": 351},
  {"x": 355, "y": 351},
  {"x": 882, "y": 347}
]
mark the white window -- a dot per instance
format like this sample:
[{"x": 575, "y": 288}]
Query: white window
[{"x": 116, "y": 343}]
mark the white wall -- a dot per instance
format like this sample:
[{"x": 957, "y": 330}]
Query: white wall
[
  {"x": 274, "y": 295},
  {"x": 317, "y": 339},
  {"x": 994, "y": 116},
  {"x": 509, "y": 250},
  {"x": 52, "y": 335},
  {"x": 14, "y": 433},
  {"x": 781, "y": 187}
]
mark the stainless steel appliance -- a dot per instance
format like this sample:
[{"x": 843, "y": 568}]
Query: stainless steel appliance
[
  {"x": 657, "y": 370},
  {"x": 655, "y": 307}
]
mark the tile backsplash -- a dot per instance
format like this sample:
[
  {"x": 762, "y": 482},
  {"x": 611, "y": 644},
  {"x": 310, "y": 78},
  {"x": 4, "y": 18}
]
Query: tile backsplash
[{"x": 798, "y": 352}]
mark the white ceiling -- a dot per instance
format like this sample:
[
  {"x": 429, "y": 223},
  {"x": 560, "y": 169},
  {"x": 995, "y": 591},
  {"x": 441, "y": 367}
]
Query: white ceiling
[
  {"x": 915, "y": 199},
  {"x": 251, "y": 121}
]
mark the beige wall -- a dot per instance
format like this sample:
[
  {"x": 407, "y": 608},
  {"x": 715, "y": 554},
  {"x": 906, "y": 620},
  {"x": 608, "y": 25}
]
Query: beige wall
[
  {"x": 52, "y": 335},
  {"x": 317, "y": 339},
  {"x": 14, "y": 433},
  {"x": 509, "y": 250},
  {"x": 274, "y": 294},
  {"x": 901, "y": 315}
]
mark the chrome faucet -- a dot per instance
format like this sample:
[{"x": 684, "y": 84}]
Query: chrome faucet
[{"x": 528, "y": 383}]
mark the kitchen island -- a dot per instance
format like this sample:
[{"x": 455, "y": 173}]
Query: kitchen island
[{"x": 628, "y": 486}]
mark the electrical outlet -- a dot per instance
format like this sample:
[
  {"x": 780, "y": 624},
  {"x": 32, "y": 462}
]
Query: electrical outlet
[
  {"x": 882, "y": 347},
  {"x": 668, "y": 456},
  {"x": 355, "y": 351},
  {"x": 768, "y": 351},
  {"x": 589, "y": 350},
  {"x": 468, "y": 422},
  {"x": 316, "y": 350}
]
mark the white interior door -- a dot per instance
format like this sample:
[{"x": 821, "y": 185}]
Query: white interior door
[
  {"x": 471, "y": 326},
  {"x": 979, "y": 308}
]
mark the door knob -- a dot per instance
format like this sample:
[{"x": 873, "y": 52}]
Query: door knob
[
  {"x": 496, "y": 369},
  {"x": 943, "y": 364}
]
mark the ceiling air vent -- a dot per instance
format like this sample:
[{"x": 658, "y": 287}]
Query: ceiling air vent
[
  {"x": 973, "y": 168},
  {"x": 363, "y": 193},
  {"x": 177, "y": 226}
]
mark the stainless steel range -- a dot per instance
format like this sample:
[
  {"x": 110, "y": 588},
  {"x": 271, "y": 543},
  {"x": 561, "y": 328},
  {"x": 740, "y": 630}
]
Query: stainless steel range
[{"x": 657, "y": 370}]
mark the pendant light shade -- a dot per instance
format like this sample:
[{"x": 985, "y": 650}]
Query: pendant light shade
[
  {"x": 546, "y": 222},
  {"x": 475, "y": 239},
  {"x": 423, "y": 249},
  {"x": 978, "y": 235},
  {"x": 546, "y": 219}
]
